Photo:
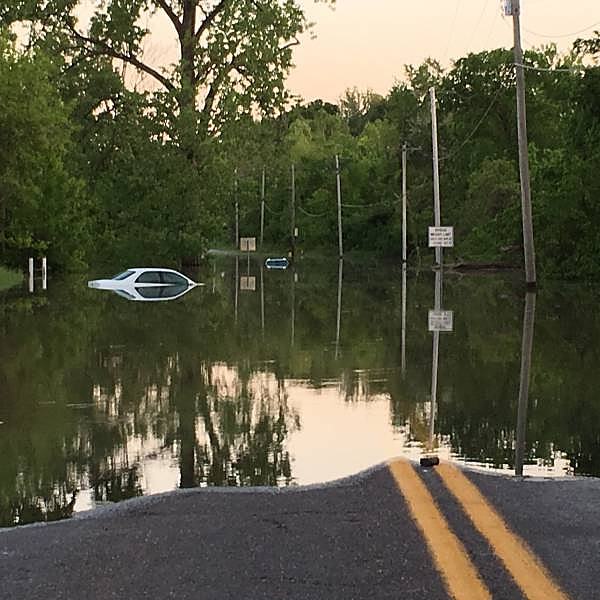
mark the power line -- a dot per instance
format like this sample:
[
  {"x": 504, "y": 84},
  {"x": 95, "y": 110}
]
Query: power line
[
  {"x": 562, "y": 35},
  {"x": 553, "y": 69},
  {"x": 474, "y": 131},
  {"x": 450, "y": 39},
  {"x": 313, "y": 215},
  {"x": 272, "y": 211},
  {"x": 485, "y": 5},
  {"x": 375, "y": 204}
]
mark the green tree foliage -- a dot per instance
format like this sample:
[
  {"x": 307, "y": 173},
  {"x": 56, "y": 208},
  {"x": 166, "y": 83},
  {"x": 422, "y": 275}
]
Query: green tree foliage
[
  {"x": 151, "y": 169},
  {"x": 478, "y": 161},
  {"x": 42, "y": 202}
]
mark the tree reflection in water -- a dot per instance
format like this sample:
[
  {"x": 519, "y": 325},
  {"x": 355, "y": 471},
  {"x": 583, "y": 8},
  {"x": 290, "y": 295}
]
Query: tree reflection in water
[{"x": 97, "y": 394}]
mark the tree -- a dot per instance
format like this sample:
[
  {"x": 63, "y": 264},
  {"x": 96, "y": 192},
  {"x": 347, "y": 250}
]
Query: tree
[
  {"x": 42, "y": 203},
  {"x": 233, "y": 55}
]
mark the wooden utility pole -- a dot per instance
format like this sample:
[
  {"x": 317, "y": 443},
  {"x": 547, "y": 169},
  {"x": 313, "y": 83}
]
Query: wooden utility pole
[
  {"x": 404, "y": 202},
  {"x": 436, "y": 172},
  {"x": 293, "y": 212},
  {"x": 528, "y": 246},
  {"x": 339, "y": 203},
  {"x": 262, "y": 208}
]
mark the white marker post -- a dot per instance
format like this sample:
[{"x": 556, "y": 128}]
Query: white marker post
[
  {"x": 31, "y": 275},
  {"x": 44, "y": 274}
]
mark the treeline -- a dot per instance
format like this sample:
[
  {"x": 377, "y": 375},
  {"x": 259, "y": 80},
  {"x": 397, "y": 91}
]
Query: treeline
[{"x": 93, "y": 168}]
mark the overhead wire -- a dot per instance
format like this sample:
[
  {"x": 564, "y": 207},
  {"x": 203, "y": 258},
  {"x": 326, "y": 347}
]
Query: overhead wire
[
  {"x": 562, "y": 35},
  {"x": 457, "y": 149},
  {"x": 452, "y": 29},
  {"x": 474, "y": 31},
  {"x": 312, "y": 215}
]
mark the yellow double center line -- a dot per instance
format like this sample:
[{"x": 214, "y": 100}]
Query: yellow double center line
[{"x": 452, "y": 561}]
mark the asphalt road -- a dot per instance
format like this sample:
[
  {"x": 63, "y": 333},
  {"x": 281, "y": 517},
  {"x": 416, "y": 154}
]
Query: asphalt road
[{"x": 387, "y": 533}]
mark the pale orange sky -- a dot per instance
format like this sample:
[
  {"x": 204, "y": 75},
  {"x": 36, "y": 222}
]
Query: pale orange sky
[{"x": 365, "y": 43}]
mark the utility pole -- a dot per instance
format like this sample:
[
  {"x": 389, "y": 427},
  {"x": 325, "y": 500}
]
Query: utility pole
[
  {"x": 528, "y": 246},
  {"x": 293, "y": 220},
  {"x": 237, "y": 210},
  {"x": 339, "y": 201},
  {"x": 404, "y": 202},
  {"x": 436, "y": 172},
  {"x": 262, "y": 208}
]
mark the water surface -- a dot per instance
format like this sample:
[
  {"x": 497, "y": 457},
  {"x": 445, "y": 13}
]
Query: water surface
[{"x": 289, "y": 377}]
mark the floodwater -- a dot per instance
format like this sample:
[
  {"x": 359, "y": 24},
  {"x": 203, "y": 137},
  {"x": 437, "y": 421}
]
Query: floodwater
[{"x": 289, "y": 377}]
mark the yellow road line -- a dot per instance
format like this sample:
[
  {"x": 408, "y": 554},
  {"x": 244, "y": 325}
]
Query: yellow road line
[
  {"x": 451, "y": 559},
  {"x": 527, "y": 571}
]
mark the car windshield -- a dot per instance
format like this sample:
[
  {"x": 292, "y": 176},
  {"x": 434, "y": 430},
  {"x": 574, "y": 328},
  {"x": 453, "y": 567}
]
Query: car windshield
[{"x": 123, "y": 275}]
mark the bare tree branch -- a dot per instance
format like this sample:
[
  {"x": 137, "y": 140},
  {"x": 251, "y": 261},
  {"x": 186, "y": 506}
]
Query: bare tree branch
[
  {"x": 212, "y": 15},
  {"x": 171, "y": 14},
  {"x": 100, "y": 47},
  {"x": 294, "y": 42}
]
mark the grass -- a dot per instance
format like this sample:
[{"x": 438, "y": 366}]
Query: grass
[{"x": 9, "y": 278}]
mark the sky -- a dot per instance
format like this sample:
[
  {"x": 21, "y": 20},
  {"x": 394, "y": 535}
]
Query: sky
[{"x": 366, "y": 43}]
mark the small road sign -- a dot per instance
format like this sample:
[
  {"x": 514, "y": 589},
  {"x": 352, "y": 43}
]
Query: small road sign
[
  {"x": 248, "y": 244},
  {"x": 441, "y": 320},
  {"x": 441, "y": 237},
  {"x": 248, "y": 284}
]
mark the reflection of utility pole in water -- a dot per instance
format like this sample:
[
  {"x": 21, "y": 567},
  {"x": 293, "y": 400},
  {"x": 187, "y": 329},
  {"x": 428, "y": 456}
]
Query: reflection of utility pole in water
[
  {"x": 293, "y": 333},
  {"x": 435, "y": 360},
  {"x": 262, "y": 299},
  {"x": 339, "y": 308},
  {"x": 237, "y": 283},
  {"x": 526, "y": 350},
  {"x": 403, "y": 359}
]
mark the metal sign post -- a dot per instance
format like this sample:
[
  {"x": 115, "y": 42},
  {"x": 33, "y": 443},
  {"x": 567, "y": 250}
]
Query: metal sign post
[{"x": 436, "y": 172}]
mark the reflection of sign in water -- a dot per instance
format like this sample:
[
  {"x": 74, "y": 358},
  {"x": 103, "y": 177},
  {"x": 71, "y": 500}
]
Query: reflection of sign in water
[
  {"x": 441, "y": 237},
  {"x": 248, "y": 284},
  {"x": 248, "y": 244},
  {"x": 441, "y": 320}
]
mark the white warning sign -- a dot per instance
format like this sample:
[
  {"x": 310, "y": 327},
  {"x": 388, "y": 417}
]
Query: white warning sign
[
  {"x": 441, "y": 237},
  {"x": 441, "y": 320}
]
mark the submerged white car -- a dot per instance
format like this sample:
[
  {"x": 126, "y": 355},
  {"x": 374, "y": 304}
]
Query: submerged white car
[{"x": 146, "y": 284}]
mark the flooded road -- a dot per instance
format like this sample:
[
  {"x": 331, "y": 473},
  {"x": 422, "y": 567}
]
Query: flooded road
[{"x": 288, "y": 377}]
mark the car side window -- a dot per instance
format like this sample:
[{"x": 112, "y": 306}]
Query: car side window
[
  {"x": 123, "y": 275},
  {"x": 149, "y": 277},
  {"x": 172, "y": 278}
]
